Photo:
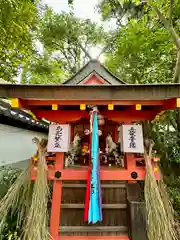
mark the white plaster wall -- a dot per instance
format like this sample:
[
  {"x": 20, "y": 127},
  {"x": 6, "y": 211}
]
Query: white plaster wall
[{"x": 16, "y": 144}]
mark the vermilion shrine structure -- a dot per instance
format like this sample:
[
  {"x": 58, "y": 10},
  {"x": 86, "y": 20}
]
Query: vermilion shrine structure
[{"x": 118, "y": 103}]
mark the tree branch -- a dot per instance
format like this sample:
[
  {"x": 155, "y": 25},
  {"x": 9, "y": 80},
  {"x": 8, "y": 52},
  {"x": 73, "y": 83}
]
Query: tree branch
[
  {"x": 168, "y": 26},
  {"x": 63, "y": 51},
  {"x": 177, "y": 69},
  {"x": 178, "y": 121},
  {"x": 171, "y": 11},
  {"x": 109, "y": 43},
  {"x": 85, "y": 52}
]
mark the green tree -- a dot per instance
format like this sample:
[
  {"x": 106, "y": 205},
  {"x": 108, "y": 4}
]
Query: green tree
[
  {"x": 142, "y": 53},
  {"x": 66, "y": 42},
  {"x": 7, "y": 178},
  {"x": 70, "y": 38},
  {"x": 146, "y": 50},
  {"x": 43, "y": 69},
  {"x": 165, "y": 13},
  {"x": 18, "y": 19},
  {"x": 122, "y": 11}
]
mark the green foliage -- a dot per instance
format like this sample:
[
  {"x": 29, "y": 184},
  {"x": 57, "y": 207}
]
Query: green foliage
[
  {"x": 167, "y": 144},
  {"x": 17, "y": 18},
  {"x": 43, "y": 69},
  {"x": 143, "y": 46},
  {"x": 145, "y": 51},
  {"x": 7, "y": 178},
  {"x": 142, "y": 54},
  {"x": 66, "y": 41},
  {"x": 121, "y": 10},
  {"x": 17, "y": 21},
  {"x": 70, "y": 37},
  {"x": 175, "y": 195},
  {"x": 12, "y": 231}
]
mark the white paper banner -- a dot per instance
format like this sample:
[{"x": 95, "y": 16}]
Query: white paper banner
[
  {"x": 59, "y": 138},
  {"x": 132, "y": 139}
]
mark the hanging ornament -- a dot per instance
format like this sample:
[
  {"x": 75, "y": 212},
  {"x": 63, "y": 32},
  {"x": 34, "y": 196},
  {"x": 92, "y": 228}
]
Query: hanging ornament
[{"x": 100, "y": 120}]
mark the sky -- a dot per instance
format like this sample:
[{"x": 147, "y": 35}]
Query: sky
[
  {"x": 82, "y": 8},
  {"x": 85, "y": 9}
]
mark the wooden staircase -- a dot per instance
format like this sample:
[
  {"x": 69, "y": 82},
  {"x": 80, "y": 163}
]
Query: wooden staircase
[{"x": 115, "y": 217}]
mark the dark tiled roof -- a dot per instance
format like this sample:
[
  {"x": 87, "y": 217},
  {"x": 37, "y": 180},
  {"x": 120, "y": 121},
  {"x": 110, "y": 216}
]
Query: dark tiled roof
[
  {"x": 94, "y": 66},
  {"x": 19, "y": 118}
]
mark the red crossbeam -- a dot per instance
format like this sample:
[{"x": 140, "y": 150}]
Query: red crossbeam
[
  {"x": 32, "y": 102},
  {"x": 106, "y": 174},
  {"x": 116, "y": 116}
]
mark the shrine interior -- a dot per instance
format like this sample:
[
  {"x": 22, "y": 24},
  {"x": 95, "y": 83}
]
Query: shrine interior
[
  {"x": 108, "y": 138},
  {"x": 109, "y": 145}
]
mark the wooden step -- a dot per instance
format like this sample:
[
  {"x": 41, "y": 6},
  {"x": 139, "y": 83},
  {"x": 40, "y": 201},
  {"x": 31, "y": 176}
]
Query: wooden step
[
  {"x": 79, "y": 185},
  {"x": 125, "y": 237},
  {"x": 70, "y": 229},
  {"x": 105, "y": 206}
]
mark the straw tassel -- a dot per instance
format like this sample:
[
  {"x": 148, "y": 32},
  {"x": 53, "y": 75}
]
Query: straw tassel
[
  {"x": 36, "y": 227},
  {"x": 160, "y": 219}
]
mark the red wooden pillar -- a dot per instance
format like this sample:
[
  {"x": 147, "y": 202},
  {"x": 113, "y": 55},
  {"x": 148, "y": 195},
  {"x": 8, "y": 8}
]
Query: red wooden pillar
[
  {"x": 115, "y": 133},
  {"x": 130, "y": 161},
  {"x": 56, "y": 199}
]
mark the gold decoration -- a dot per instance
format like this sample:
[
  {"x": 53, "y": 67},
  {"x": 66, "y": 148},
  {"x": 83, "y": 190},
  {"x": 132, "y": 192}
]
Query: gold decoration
[
  {"x": 54, "y": 107},
  {"x": 110, "y": 107},
  {"x": 138, "y": 107},
  {"x": 82, "y": 107},
  {"x": 15, "y": 102}
]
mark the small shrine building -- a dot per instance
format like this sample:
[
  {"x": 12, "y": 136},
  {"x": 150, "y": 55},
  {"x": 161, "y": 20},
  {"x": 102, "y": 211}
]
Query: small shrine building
[{"x": 118, "y": 104}]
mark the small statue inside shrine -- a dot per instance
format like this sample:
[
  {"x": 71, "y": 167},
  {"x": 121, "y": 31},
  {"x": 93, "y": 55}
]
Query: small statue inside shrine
[
  {"x": 74, "y": 151},
  {"x": 110, "y": 145},
  {"x": 113, "y": 151}
]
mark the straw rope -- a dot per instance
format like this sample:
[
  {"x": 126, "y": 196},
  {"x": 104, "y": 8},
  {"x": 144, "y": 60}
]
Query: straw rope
[
  {"x": 160, "y": 218},
  {"x": 36, "y": 227}
]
